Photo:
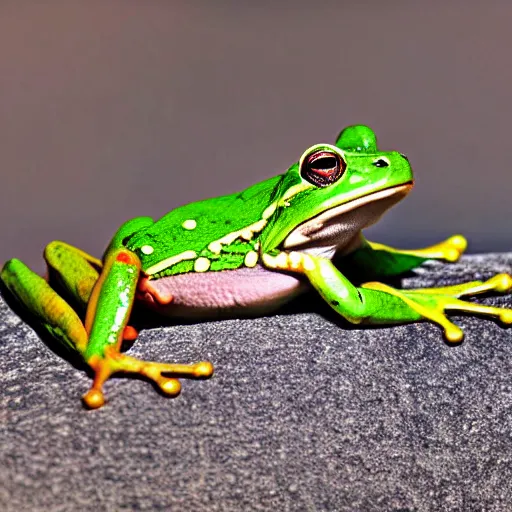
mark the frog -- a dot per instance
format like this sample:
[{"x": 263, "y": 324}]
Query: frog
[{"x": 248, "y": 254}]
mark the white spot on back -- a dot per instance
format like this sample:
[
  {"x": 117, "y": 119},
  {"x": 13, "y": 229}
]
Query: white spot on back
[
  {"x": 201, "y": 264},
  {"x": 189, "y": 224},
  {"x": 251, "y": 259}
]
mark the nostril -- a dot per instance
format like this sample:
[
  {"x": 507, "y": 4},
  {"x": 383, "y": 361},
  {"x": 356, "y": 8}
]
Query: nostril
[
  {"x": 381, "y": 162},
  {"x": 404, "y": 156}
]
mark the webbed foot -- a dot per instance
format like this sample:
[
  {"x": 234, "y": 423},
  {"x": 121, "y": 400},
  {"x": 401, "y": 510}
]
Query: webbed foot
[
  {"x": 115, "y": 362},
  {"x": 434, "y": 303},
  {"x": 449, "y": 250}
]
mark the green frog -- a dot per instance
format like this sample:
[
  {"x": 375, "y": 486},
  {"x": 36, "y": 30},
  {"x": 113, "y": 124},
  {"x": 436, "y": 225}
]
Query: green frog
[{"x": 249, "y": 253}]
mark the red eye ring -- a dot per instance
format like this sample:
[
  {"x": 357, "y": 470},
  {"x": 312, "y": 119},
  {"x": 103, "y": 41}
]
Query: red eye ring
[{"x": 322, "y": 167}]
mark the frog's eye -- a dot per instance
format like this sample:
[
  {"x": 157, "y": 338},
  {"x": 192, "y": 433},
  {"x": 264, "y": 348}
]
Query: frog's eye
[
  {"x": 381, "y": 162},
  {"x": 322, "y": 168}
]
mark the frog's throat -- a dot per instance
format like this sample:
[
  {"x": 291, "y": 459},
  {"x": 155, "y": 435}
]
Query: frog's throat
[{"x": 309, "y": 231}]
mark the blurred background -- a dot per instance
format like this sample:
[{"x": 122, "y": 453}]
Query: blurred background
[{"x": 109, "y": 110}]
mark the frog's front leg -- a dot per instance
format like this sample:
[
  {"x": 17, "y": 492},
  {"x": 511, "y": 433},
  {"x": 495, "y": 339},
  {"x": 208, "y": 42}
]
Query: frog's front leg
[
  {"x": 374, "y": 260},
  {"x": 377, "y": 303},
  {"x": 434, "y": 303},
  {"x": 107, "y": 316},
  {"x": 356, "y": 304},
  {"x": 108, "y": 307}
]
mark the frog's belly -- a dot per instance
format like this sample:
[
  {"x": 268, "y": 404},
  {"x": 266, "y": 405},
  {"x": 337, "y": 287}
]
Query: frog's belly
[{"x": 244, "y": 291}]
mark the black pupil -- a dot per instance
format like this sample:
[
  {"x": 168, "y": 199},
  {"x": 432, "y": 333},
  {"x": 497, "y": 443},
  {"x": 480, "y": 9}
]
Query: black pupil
[{"x": 324, "y": 163}]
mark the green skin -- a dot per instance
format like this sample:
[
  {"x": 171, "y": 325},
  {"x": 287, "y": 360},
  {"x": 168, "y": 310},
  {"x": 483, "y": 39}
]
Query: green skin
[{"x": 305, "y": 223}]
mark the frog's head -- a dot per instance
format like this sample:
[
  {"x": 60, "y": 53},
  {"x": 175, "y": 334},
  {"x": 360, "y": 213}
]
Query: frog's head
[{"x": 334, "y": 191}]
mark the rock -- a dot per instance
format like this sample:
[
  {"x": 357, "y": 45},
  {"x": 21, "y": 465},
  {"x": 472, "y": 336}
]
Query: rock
[{"x": 304, "y": 412}]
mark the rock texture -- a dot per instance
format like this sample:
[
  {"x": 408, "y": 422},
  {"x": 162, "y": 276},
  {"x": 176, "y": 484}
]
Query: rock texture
[{"x": 304, "y": 413}]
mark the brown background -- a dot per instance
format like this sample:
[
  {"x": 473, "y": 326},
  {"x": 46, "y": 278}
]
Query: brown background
[{"x": 112, "y": 109}]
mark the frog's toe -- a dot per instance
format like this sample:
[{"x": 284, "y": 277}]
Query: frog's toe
[
  {"x": 506, "y": 316},
  {"x": 453, "y": 333},
  {"x": 449, "y": 250},
  {"x": 159, "y": 373},
  {"x": 454, "y": 247},
  {"x": 169, "y": 386},
  {"x": 203, "y": 370},
  {"x": 501, "y": 282},
  {"x": 435, "y": 307},
  {"x": 94, "y": 398},
  {"x": 458, "y": 242}
]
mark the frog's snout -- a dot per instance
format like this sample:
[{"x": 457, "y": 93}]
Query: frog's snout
[{"x": 404, "y": 156}]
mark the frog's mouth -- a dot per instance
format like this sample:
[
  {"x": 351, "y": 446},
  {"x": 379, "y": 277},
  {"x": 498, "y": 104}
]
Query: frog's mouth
[{"x": 337, "y": 229}]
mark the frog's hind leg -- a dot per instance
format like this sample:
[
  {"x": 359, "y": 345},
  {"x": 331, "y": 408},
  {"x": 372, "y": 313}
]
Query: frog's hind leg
[
  {"x": 373, "y": 260},
  {"x": 75, "y": 270},
  {"x": 49, "y": 308},
  {"x": 450, "y": 249},
  {"x": 379, "y": 303}
]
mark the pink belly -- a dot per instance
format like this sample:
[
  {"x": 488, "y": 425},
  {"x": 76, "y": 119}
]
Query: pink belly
[{"x": 240, "y": 292}]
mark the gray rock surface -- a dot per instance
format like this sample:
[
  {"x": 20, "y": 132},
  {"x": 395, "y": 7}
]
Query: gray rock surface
[{"x": 303, "y": 413}]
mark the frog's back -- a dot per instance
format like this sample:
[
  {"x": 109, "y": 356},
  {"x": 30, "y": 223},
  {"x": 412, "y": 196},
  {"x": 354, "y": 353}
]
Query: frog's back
[{"x": 193, "y": 227}]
